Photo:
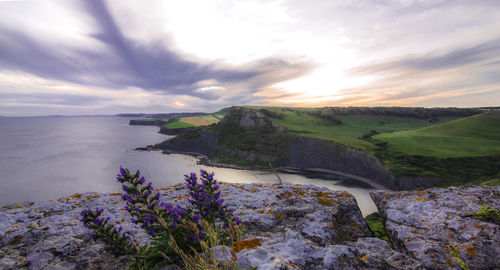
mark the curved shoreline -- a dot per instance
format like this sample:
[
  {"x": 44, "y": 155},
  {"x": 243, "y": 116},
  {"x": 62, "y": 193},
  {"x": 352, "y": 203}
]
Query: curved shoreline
[{"x": 204, "y": 160}]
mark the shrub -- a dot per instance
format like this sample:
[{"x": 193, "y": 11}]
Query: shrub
[
  {"x": 178, "y": 233},
  {"x": 488, "y": 214},
  {"x": 376, "y": 226}
]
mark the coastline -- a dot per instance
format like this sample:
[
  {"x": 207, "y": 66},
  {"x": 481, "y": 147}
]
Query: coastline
[{"x": 205, "y": 160}]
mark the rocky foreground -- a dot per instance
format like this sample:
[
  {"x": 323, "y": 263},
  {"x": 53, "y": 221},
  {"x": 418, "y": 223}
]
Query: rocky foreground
[{"x": 291, "y": 227}]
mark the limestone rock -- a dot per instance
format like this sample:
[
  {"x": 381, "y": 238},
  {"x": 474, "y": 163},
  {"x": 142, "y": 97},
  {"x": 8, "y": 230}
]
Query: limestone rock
[
  {"x": 297, "y": 227},
  {"x": 433, "y": 224}
]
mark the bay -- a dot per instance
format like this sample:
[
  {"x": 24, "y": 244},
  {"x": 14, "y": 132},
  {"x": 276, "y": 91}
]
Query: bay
[{"x": 44, "y": 158}]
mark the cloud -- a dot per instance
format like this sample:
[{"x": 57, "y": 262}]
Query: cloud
[
  {"x": 146, "y": 56},
  {"x": 459, "y": 58},
  {"x": 50, "y": 99},
  {"x": 128, "y": 63}
]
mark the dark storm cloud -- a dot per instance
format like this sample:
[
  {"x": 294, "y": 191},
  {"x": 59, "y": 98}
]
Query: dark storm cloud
[
  {"x": 51, "y": 99},
  {"x": 128, "y": 63},
  {"x": 21, "y": 52}
]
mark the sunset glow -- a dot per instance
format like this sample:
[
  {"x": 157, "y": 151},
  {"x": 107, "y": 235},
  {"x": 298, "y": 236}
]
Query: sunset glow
[{"x": 108, "y": 57}]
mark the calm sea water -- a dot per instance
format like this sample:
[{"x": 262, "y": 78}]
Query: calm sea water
[{"x": 44, "y": 158}]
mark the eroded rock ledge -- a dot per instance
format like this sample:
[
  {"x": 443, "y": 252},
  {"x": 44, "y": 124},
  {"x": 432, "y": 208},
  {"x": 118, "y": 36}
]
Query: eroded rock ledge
[
  {"x": 299, "y": 227},
  {"x": 431, "y": 225}
]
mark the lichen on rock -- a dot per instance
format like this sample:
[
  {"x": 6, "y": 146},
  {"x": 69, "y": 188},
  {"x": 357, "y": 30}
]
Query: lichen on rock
[{"x": 437, "y": 225}]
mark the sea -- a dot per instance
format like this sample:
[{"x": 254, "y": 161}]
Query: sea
[{"x": 44, "y": 158}]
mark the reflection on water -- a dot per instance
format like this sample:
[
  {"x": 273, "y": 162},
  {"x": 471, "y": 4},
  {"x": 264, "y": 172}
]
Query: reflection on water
[{"x": 44, "y": 158}]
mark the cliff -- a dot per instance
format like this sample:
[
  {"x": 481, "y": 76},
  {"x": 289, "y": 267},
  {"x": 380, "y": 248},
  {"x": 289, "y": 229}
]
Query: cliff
[
  {"x": 246, "y": 137},
  {"x": 299, "y": 227}
]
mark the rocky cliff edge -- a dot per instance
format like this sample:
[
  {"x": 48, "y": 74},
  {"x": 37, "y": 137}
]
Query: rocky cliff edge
[{"x": 294, "y": 226}]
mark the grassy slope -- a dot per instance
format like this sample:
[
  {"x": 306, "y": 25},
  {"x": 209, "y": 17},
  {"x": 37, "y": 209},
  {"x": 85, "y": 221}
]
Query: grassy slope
[
  {"x": 299, "y": 122},
  {"x": 477, "y": 135},
  {"x": 203, "y": 120},
  {"x": 481, "y": 131},
  {"x": 193, "y": 121},
  {"x": 177, "y": 125}
]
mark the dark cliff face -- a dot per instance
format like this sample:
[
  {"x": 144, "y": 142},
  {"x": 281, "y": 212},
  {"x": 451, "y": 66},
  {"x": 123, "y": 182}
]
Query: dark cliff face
[
  {"x": 315, "y": 153},
  {"x": 192, "y": 141},
  {"x": 247, "y": 137},
  {"x": 134, "y": 122}
]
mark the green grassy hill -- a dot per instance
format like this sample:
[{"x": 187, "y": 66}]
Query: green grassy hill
[
  {"x": 177, "y": 125},
  {"x": 477, "y": 135},
  {"x": 448, "y": 143},
  {"x": 352, "y": 130},
  {"x": 193, "y": 121},
  {"x": 458, "y": 146}
]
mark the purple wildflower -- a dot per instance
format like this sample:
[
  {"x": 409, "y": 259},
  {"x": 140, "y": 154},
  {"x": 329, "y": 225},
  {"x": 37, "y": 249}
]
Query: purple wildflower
[{"x": 196, "y": 217}]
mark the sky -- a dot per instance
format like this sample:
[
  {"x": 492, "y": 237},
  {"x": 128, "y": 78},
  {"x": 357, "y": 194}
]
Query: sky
[{"x": 66, "y": 57}]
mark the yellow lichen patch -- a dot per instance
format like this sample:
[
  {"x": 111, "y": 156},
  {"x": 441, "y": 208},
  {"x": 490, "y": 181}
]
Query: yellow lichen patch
[
  {"x": 449, "y": 261},
  {"x": 479, "y": 226},
  {"x": 364, "y": 259},
  {"x": 13, "y": 207},
  {"x": 345, "y": 194},
  {"x": 17, "y": 239},
  {"x": 419, "y": 199},
  {"x": 76, "y": 195},
  {"x": 285, "y": 194},
  {"x": 354, "y": 224},
  {"x": 51, "y": 200},
  {"x": 325, "y": 200},
  {"x": 298, "y": 191},
  {"x": 246, "y": 244},
  {"x": 309, "y": 217},
  {"x": 281, "y": 215},
  {"x": 462, "y": 227},
  {"x": 329, "y": 225},
  {"x": 321, "y": 193},
  {"x": 422, "y": 192},
  {"x": 21, "y": 261},
  {"x": 270, "y": 212},
  {"x": 115, "y": 194},
  {"x": 471, "y": 251}
]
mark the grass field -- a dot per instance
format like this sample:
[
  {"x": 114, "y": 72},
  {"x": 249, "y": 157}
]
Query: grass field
[
  {"x": 414, "y": 142},
  {"x": 186, "y": 122},
  {"x": 177, "y": 125},
  {"x": 203, "y": 120},
  {"x": 477, "y": 135},
  {"x": 301, "y": 122}
]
